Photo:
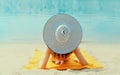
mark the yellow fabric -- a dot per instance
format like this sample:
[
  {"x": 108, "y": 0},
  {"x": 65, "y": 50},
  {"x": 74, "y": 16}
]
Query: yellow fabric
[{"x": 72, "y": 63}]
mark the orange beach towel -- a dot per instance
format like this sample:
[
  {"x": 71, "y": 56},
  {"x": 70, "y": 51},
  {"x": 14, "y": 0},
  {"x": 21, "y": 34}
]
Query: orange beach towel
[{"x": 72, "y": 63}]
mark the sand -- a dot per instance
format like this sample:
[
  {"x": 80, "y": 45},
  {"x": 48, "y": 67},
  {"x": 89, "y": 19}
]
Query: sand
[{"x": 14, "y": 56}]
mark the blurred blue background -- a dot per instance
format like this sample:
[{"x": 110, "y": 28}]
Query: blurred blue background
[{"x": 22, "y": 21}]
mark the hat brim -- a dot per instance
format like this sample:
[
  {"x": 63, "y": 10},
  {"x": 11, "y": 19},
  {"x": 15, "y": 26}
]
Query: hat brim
[{"x": 49, "y": 33}]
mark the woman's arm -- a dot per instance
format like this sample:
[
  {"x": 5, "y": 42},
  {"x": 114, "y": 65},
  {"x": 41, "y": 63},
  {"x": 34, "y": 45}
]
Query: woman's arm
[
  {"x": 47, "y": 55},
  {"x": 80, "y": 57}
]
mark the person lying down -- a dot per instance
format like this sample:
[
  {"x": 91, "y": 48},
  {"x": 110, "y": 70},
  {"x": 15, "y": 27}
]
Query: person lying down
[
  {"x": 62, "y": 58},
  {"x": 62, "y": 34}
]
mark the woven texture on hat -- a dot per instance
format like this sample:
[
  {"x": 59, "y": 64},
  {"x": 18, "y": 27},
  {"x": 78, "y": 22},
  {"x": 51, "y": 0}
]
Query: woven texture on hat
[{"x": 72, "y": 63}]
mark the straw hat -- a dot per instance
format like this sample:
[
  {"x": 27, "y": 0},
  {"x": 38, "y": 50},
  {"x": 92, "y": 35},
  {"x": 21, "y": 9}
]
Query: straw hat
[{"x": 62, "y": 33}]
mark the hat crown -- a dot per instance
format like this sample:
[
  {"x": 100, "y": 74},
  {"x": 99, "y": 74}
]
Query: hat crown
[{"x": 62, "y": 33}]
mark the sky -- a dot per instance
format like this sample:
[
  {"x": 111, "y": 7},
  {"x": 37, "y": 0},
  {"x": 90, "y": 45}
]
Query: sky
[{"x": 22, "y": 21}]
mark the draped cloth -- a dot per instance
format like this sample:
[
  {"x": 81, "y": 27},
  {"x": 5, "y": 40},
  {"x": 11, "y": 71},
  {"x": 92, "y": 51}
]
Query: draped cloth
[{"x": 72, "y": 63}]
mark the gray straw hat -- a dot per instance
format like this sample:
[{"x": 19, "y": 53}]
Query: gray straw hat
[{"x": 62, "y": 33}]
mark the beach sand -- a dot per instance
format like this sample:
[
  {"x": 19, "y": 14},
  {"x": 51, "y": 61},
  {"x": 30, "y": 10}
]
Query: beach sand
[{"x": 14, "y": 56}]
